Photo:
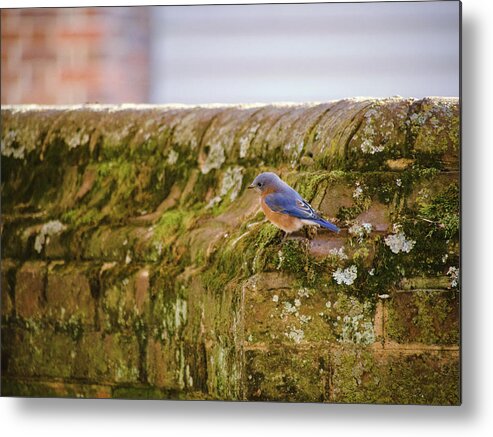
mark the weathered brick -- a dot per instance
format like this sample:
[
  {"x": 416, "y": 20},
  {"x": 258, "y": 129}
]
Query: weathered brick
[
  {"x": 279, "y": 310},
  {"x": 435, "y": 125},
  {"x": 68, "y": 294},
  {"x": 286, "y": 374},
  {"x": 30, "y": 289},
  {"x": 224, "y": 375},
  {"x": 108, "y": 358},
  {"x": 107, "y": 244},
  {"x": 366, "y": 376},
  {"x": 125, "y": 296},
  {"x": 378, "y": 215},
  {"x": 37, "y": 352},
  {"x": 161, "y": 366},
  {"x": 423, "y": 316}
]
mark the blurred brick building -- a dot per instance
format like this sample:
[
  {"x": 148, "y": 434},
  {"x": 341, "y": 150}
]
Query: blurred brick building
[
  {"x": 231, "y": 53},
  {"x": 75, "y": 55}
]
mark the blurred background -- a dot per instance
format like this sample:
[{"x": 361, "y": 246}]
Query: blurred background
[{"x": 226, "y": 54}]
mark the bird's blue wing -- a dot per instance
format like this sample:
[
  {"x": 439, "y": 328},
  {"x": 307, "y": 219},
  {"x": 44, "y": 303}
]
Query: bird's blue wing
[
  {"x": 290, "y": 204},
  {"x": 293, "y": 204}
]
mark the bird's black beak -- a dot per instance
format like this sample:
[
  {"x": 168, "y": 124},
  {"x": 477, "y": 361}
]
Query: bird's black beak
[{"x": 251, "y": 186}]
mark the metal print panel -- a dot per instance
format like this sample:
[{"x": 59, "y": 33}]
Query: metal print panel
[{"x": 237, "y": 251}]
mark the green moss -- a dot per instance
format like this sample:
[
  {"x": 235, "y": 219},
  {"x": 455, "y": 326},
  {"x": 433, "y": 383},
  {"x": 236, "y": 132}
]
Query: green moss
[
  {"x": 82, "y": 217},
  {"x": 170, "y": 224},
  {"x": 424, "y": 316},
  {"x": 73, "y": 327},
  {"x": 287, "y": 375},
  {"x": 442, "y": 211},
  {"x": 361, "y": 376},
  {"x": 435, "y": 127}
]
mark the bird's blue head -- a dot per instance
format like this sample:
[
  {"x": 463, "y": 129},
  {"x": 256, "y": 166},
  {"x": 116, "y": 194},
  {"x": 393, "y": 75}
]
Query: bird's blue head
[{"x": 266, "y": 182}]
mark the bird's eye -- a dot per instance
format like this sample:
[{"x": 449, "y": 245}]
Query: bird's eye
[{"x": 259, "y": 184}]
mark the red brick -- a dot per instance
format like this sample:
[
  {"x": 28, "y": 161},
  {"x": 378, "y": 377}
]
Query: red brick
[
  {"x": 89, "y": 34},
  {"x": 38, "y": 51},
  {"x": 29, "y": 290},
  {"x": 68, "y": 294},
  {"x": 80, "y": 75},
  {"x": 161, "y": 367},
  {"x": 125, "y": 296}
]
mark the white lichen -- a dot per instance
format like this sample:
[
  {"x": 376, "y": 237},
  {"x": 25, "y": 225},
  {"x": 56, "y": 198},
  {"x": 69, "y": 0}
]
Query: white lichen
[
  {"x": 8, "y": 143},
  {"x": 280, "y": 255},
  {"x": 453, "y": 272},
  {"x": 246, "y": 140},
  {"x": 49, "y": 229},
  {"x": 180, "y": 312},
  {"x": 172, "y": 157},
  {"x": 244, "y": 144},
  {"x": 213, "y": 202},
  {"x": 358, "y": 191},
  {"x": 418, "y": 119},
  {"x": 77, "y": 139},
  {"x": 215, "y": 158},
  {"x": 360, "y": 231},
  {"x": 357, "y": 330},
  {"x": 339, "y": 253},
  {"x": 304, "y": 319},
  {"x": 367, "y": 146},
  {"x": 397, "y": 242},
  {"x": 295, "y": 334},
  {"x": 346, "y": 276},
  {"x": 376, "y": 132},
  {"x": 304, "y": 292},
  {"x": 231, "y": 182},
  {"x": 289, "y": 308},
  {"x": 128, "y": 258}
]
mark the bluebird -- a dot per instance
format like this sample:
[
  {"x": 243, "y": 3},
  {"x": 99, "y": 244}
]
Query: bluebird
[{"x": 284, "y": 207}]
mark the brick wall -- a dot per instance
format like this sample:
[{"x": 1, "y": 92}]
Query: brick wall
[
  {"x": 75, "y": 55},
  {"x": 135, "y": 264}
]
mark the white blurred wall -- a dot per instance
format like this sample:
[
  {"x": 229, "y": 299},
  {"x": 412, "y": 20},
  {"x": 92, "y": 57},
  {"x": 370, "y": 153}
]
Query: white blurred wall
[{"x": 304, "y": 52}]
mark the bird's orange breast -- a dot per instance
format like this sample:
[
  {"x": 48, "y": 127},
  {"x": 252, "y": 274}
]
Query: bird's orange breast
[{"x": 283, "y": 221}]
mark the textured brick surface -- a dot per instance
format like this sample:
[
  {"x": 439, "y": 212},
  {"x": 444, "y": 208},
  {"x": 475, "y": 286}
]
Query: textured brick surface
[
  {"x": 30, "y": 289},
  {"x": 68, "y": 294},
  {"x": 364, "y": 376},
  {"x": 430, "y": 317},
  {"x": 137, "y": 265}
]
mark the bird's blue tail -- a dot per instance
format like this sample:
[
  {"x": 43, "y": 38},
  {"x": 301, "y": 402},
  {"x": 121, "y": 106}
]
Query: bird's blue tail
[{"x": 327, "y": 225}]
